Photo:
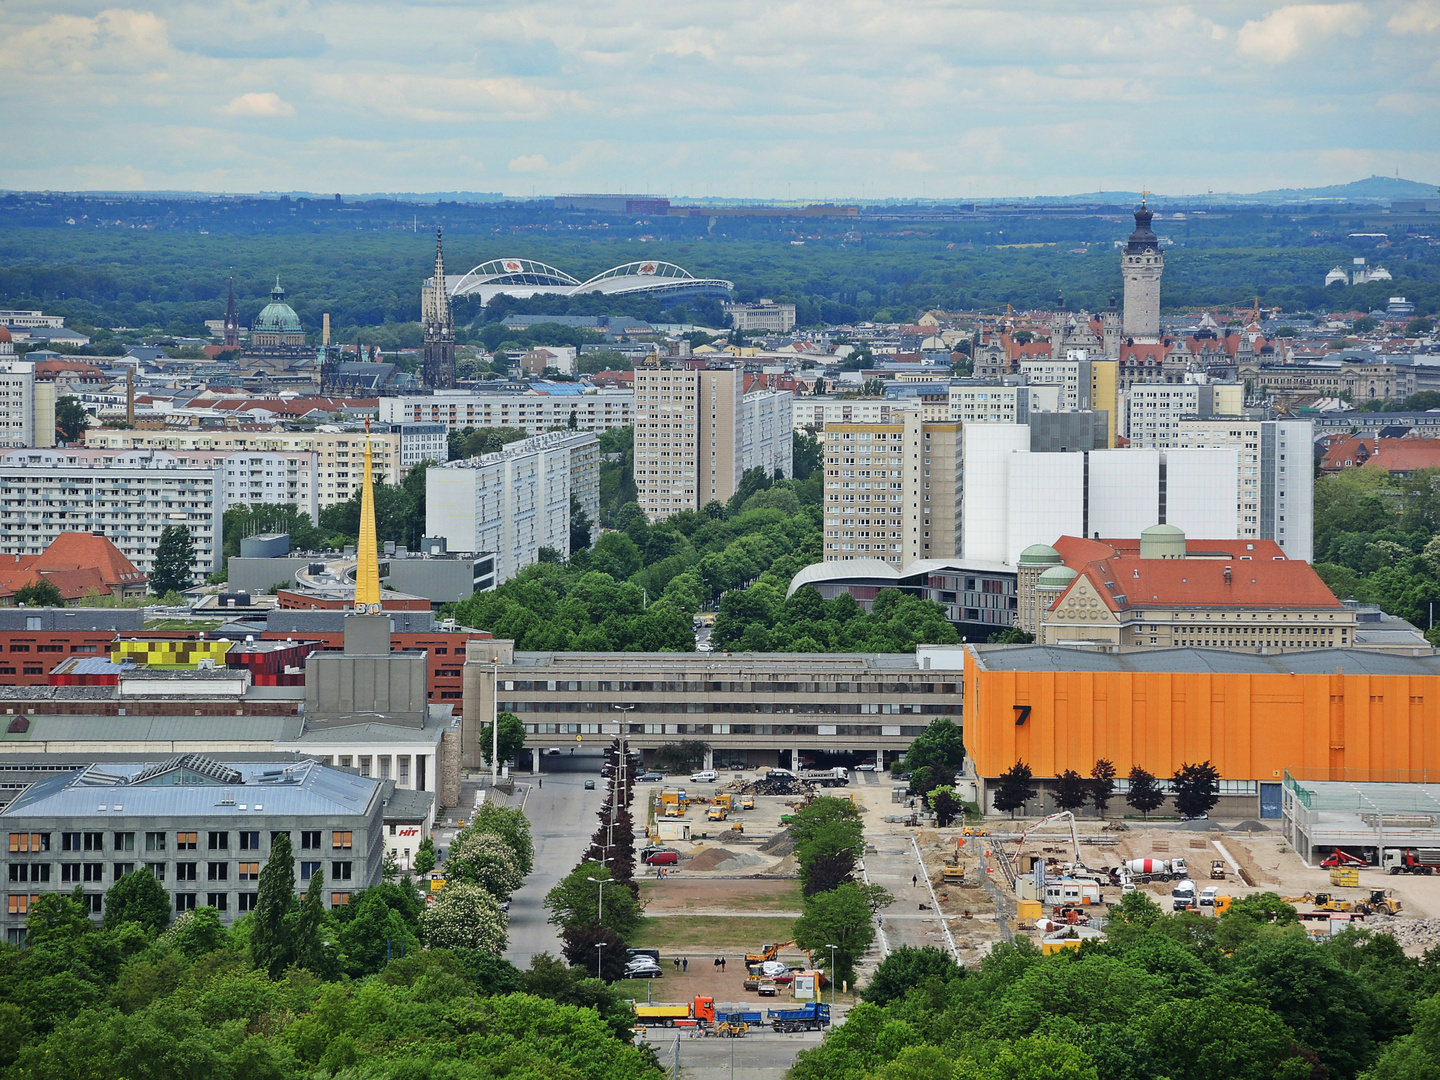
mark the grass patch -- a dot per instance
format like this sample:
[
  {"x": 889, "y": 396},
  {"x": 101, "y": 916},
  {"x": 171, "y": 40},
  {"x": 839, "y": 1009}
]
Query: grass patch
[
  {"x": 706, "y": 933},
  {"x": 182, "y": 624},
  {"x": 743, "y": 896}
]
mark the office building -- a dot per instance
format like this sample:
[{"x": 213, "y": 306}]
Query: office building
[
  {"x": 765, "y": 315},
  {"x": 1105, "y": 395},
  {"x": 1277, "y": 493},
  {"x": 203, "y": 827},
  {"x": 979, "y": 598},
  {"x": 1071, "y": 375},
  {"x": 1006, "y": 401},
  {"x": 1013, "y": 497},
  {"x": 691, "y": 444},
  {"x": 818, "y": 411},
  {"x": 1164, "y": 591},
  {"x": 892, "y": 491},
  {"x": 762, "y": 709},
  {"x": 598, "y": 410},
  {"x": 423, "y": 442},
  {"x": 516, "y": 501},
  {"x": 130, "y": 499}
]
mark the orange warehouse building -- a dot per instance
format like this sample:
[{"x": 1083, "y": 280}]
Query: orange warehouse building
[{"x": 1322, "y": 714}]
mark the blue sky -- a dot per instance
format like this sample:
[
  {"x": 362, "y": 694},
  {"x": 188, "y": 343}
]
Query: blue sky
[{"x": 745, "y": 98}]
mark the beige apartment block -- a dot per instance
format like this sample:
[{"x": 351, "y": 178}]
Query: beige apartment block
[
  {"x": 340, "y": 456},
  {"x": 892, "y": 491}
]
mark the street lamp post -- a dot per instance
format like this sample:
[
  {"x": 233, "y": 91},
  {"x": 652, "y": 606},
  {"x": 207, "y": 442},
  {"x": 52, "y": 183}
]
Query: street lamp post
[
  {"x": 832, "y": 984},
  {"x": 495, "y": 724},
  {"x": 617, "y": 782},
  {"x": 599, "y": 958},
  {"x": 600, "y": 905}
]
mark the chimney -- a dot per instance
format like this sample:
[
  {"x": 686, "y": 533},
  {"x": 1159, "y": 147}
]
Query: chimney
[
  {"x": 130, "y": 396},
  {"x": 325, "y": 329}
]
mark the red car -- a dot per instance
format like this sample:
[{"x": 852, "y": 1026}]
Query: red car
[{"x": 661, "y": 858}]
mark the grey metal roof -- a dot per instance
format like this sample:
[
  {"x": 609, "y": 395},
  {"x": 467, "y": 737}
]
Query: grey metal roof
[
  {"x": 404, "y": 804},
  {"x": 332, "y": 622},
  {"x": 719, "y": 664},
  {"x": 303, "y": 788},
  {"x": 368, "y": 733},
  {"x": 1301, "y": 662},
  {"x": 74, "y": 618},
  {"x": 179, "y": 729}
]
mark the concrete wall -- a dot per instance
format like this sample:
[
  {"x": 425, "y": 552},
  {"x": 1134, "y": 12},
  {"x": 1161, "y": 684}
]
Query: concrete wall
[{"x": 357, "y": 689}]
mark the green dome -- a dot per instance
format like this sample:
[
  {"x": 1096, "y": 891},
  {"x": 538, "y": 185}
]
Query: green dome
[
  {"x": 1162, "y": 542},
  {"x": 1040, "y": 555},
  {"x": 277, "y": 317},
  {"x": 1159, "y": 531},
  {"x": 1057, "y": 577}
]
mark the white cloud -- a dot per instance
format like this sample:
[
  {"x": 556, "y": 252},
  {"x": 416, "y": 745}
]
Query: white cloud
[
  {"x": 115, "y": 40},
  {"x": 529, "y": 163},
  {"x": 1286, "y": 32},
  {"x": 258, "y": 104},
  {"x": 1422, "y": 17}
]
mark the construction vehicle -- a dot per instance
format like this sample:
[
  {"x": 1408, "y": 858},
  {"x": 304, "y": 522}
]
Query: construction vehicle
[
  {"x": 747, "y": 802},
  {"x": 1078, "y": 866},
  {"x": 1217, "y": 869},
  {"x": 1341, "y": 857},
  {"x": 724, "y": 800},
  {"x": 1327, "y": 902},
  {"x": 673, "y": 810},
  {"x": 716, "y": 813},
  {"x": 1410, "y": 860},
  {"x": 1145, "y": 871},
  {"x": 674, "y": 797},
  {"x": 953, "y": 873},
  {"x": 728, "y": 1030},
  {"x": 814, "y": 1016},
  {"x": 1303, "y": 898},
  {"x": 767, "y": 953},
  {"x": 1345, "y": 877},
  {"x": 1381, "y": 902},
  {"x": 678, "y": 1014},
  {"x": 737, "y": 826},
  {"x": 752, "y": 1017},
  {"x": 836, "y": 777}
]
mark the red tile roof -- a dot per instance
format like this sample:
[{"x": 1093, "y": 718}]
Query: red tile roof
[
  {"x": 1260, "y": 575},
  {"x": 79, "y": 550},
  {"x": 1392, "y": 455}
]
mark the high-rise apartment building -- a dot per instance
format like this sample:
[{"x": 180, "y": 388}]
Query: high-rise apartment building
[
  {"x": 1071, "y": 375},
  {"x": 1276, "y": 495},
  {"x": 697, "y": 432},
  {"x": 600, "y": 410},
  {"x": 892, "y": 491},
  {"x": 27, "y": 405},
  {"x": 515, "y": 501},
  {"x": 1152, "y": 413}
]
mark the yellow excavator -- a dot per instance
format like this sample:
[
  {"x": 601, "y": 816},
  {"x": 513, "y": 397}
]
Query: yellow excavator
[{"x": 767, "y": 953}]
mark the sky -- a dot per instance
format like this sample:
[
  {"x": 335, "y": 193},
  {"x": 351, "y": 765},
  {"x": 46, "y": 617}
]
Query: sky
[{"x": 857, "y": 99}]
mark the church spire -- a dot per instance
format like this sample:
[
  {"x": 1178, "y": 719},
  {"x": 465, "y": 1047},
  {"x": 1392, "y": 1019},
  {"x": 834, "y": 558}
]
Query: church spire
[
  {"x": 367, "y": 553},
  {"x": 232, "y": 321},
  {"x": 439, "y": 365}
]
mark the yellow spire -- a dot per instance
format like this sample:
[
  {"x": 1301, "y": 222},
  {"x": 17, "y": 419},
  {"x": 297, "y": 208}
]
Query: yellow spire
[{"x": 367, "y": 569}]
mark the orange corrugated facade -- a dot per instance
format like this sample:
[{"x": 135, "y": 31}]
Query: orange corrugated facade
[{"x": 1250, "y": 726}]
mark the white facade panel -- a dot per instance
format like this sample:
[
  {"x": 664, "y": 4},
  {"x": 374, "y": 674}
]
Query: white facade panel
[
  {"x": 1202, "y": 493},
  {"x": 1124, "y": 492},
  {"x": 1047, "y": 500},
  {"x": 988, "y": 452}
]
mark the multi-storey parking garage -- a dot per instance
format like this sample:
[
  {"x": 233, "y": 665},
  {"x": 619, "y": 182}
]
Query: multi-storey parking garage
[{"x": 756, "y": 708}]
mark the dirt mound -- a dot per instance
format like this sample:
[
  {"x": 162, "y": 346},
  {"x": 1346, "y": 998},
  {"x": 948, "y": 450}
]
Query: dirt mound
[
  {"x": 789, "y": 866},
  {"x": 1250, "y": 825},
  {"x": 1408, "y": 932},
  {"x": 709, "y": 858},
  {"x": 782, "y": 843},
  {"x": 1199, "y": 825},
  {"x": 742, "y": 861},
  {"x": 778, "y": 786}
]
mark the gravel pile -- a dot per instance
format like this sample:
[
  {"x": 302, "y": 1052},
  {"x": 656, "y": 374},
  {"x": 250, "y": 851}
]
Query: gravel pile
[
  {"x": 782, "y": 843},
  {"x": 778, "y": 786},
  {"x": 1407, "y": 932}
]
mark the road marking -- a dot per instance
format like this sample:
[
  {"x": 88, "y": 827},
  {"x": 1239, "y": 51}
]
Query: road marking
[{"x": 935, "y": 903}]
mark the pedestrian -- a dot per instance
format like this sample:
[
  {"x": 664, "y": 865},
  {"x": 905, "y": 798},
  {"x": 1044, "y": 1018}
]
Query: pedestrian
[
  {"x": 914, "y": 880},
  {"x": 677, "y": 962},
  {"x": 717, "y": 962},
  {"x": 685, "y": 964},
  {"x": 542, "y": 781},
  {"x": 722, "y": 965}
]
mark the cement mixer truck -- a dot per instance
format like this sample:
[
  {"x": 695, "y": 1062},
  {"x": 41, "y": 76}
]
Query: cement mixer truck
[{"x": 1144, "y": 871}]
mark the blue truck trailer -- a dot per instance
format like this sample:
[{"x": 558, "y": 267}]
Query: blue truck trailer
[{"x": 811, "y": 1017}]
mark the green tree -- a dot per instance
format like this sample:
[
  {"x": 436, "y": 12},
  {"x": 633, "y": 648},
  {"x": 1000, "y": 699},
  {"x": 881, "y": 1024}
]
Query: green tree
[
  {"x": 71, "y": 419},
  {"x": 1416, "y": 1055},
  {"x": 307, "y": 928},
  {"x": 1144, "y": 794},
  {"x": 271, "y": 948},
  {"x": 425, "y": 856},
  {"x": 908, "y": 967},
  {"x": 41, "y": 593},
  {"x": 511, "y": 825},
  {"x": 580, "y": 526},
  {"x": 1213, "y": 1037},
  {"x": 1418, "y": 327},
  {"x": 1102, "y": 781},
  {"x": 1072, "y": 790},
  {"x": 486, "y": 860},
  {"x": 1197, "y": 788},
  {"x": 1014, "y": 788},
  {"x": 58, "y": 918},
  {"x": 138, "y": 898},
  {"x": 576, "y": 901},
  {"x": 940, "y": 746},
  {"x": 841, "y": 917},
  {"x": 512, "y": 737},
  {"x": 174, "y": 557}
]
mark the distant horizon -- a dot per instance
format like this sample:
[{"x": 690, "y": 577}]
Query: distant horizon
[{"x": 1389, "y": 187}]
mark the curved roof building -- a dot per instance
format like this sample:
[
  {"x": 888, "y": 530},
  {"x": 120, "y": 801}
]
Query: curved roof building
[
  {"x": 523, "y": 278},
  {"x": 277, "y": 323}
]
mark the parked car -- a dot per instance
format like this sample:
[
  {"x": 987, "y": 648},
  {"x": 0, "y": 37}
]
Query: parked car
[
  {"x": 779, "y": 774},
  {"x": 1207, "y": 896},
  {"x": 661, "y": 857},
  {"x": 650, "y": 776},
  {"x": 706, "y": 777},
  {"x": 552, "y": 751},
  {"x": 642, "y": 967},
  {"x": 866, "y": 766},
  {"x": 589, "y": 785}
]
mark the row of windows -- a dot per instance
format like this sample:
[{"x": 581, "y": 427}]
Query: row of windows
[
  {"x": 729, "y": 687},
  {"x": 727, "y": 708},
  {"x": 827, "y": 730},
  {"x": 20, "y": 904},
  {"x": 160, "y": 841}
]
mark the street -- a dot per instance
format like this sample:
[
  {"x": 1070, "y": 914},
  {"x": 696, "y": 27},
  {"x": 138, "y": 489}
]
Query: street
[
  {"x": 760, "y": 1055},
  {"x": 562, "y": 817}
]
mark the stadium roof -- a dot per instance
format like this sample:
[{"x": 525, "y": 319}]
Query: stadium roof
[{"x": 522, "y": 278}]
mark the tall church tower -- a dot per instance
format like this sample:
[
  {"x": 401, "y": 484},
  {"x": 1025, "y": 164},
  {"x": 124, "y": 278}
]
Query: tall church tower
[
  {"x": 1141, "y": 266},
  {"x": 439, "y": 373},
  {"x": 232, "y": 321}
]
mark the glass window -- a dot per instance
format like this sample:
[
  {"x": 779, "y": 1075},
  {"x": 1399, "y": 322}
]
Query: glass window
[
  {"x": 187, "y": 841},
  {"x": 124, "y": 841},
  {"x": 341, "y": 840},
  {"x": 219, "y": 841},
  {"x": 186, "y": 871},
  {"x": 340, "y": 871},
  {"x": 249, "y": 841},
  {"x": 184, "y": 901},
  {"x": 155, "y": 841},
  {"x": 310, "y": 840},
  {"x": 308, "y": 869},
  {"x": 217, "y": 871}
]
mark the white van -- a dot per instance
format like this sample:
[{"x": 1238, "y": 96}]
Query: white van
[{"x": 706, "y": 777}]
